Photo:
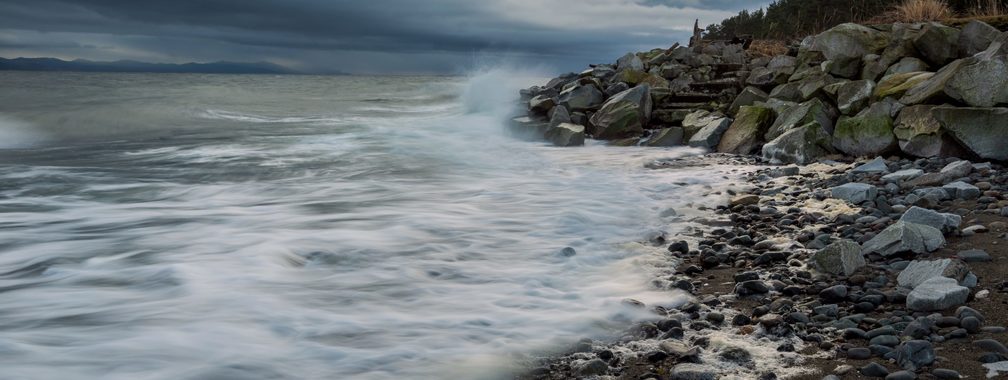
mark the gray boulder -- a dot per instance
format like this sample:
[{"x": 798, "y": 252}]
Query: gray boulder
[
  {"x": 920, "y": 271},
  {"x": 937, "y": 294},
  {"x": 937, "y": 43},
  {"x": 865, "y": 135},
  {"x": 982, "y": 81},
  {"x": 749, "y": 96},
  {"x": 877, "y": 165},
  {"x": 566, "y": 134},
  {"x": 527, "y": 128},
  {"x": 811, "y": 111},
  {"x": 841, "y": 258},
  {"x": 946, "y": 222},
  {"x": 907, "y": 65},
  {"x": 559, "y": 115},
  {"x": 852, "y": 97},
  {"x": 854, "y": 192},
  {"x": 803, "y": 145},
  {"x": 630, "y": 61},
  {"x": 976, "y": 37},
  {"x": 957, "y": 169},
  {"x": 710, "y": 134},
  {"x": 541, "y": 104},
  {"x": 905, "y": 237},
  {"x": 902, "y": 175},
  {"x": 933, "y": 87},
  {"x": 982, "y": 131},
  {"x": 623, "y": 115},
  {"x": 581, "y": 98},
  {"x": 844, "y": 45},
  {"x": 746, "y": 131},
  {"x": 921, "y": 135},
  {"x": 962, "y": 190},
  {"x": 666, "y": 137}
]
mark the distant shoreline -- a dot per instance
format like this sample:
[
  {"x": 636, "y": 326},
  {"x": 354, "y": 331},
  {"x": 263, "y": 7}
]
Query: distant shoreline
[{"x": 44, "y": 64}]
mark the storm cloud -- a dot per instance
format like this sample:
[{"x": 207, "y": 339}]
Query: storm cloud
[{"x": 372, "y": 36}]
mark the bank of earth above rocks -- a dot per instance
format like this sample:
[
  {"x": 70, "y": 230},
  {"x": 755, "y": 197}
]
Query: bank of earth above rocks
[{"x": 919, "y": 90}]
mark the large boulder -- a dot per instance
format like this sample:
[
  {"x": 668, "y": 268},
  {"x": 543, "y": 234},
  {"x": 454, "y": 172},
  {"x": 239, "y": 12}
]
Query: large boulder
[
  {"x": 943, "y": 221},
  {"x": 976, "y": 37},
  {"x": 841, "y": 258},
  {"x": 803, "y": 145},
  {"x": 937, "y": 43},
  {"x": 749, "y": 96},
  {"x": 934, "y": 87},
  {"x": 905, "y": 237},
  {"x": 710, "y": 134},
  {"x": 897, "y": 84},
  {"x": 921, "y": 135},
  {"x": 919, "y": 271},
  {"x": 937, "y": 294},
  {"x": 982, "y": 81},
  {"x": 581, "y": 98},
  {"x": 864, "y": 135},
  {"x": 983, "y": 131},
  {"x": 623, "y": 115},
  {"x": 694, "y": 121},
  {"x": 811, "y": 111},
  {"x": 527, "y": 128},
  {"x": 854, "y": 192},
  {"x": 746, "y": 132},
  {"x": 908, "y": 65},
  {"x": 559, "y": 115},
  {"x": 541, "y": 104},
  {"x": 566, "y": 134},
  {"x": 845, "y": 45},
  {"x": 853, "y": 96},
  {"x": 630, "y": 61},
  {"x": 666, "y": 137}
]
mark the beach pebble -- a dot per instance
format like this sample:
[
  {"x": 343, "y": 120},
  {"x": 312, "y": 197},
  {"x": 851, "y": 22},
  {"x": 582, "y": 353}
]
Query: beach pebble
[{"x": 874, "y": 370}]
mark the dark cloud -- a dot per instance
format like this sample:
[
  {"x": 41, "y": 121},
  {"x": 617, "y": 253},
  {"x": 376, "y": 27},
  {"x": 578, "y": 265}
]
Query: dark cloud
[{"x": 361, "y": 36}]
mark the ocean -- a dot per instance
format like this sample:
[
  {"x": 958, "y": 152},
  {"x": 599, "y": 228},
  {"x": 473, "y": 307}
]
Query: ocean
[{"x": 181, "y": 226}]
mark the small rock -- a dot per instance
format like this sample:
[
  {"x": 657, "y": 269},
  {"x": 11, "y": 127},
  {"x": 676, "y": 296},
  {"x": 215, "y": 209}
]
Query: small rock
[
  {"x": 991, "y": 345},
  {"x": 745, "y": 200},
  {"x": 945, "y": 374},
  {"x": 937, "y": 294},
  {"x": 962, "y": 190},
  {"x": 593, "y": 367},
  {"x": 692, "y": 371},
  {"x": 855, "y": 193},
  {"x": 915, "y": 354},
  {"x": 974, "y": 256},
  {"x": 878, "y": 165},
  {"x": 874, "y": 370}
]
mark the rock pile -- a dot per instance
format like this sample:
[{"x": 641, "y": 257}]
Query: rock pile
[{"x": 922, "y": 90}]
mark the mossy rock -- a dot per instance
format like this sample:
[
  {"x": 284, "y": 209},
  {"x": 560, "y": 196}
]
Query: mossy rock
[
  {"x": 896, "y": 85},
  {"x": 745, "y": 133},
  {"x": 867, "y": 135}
]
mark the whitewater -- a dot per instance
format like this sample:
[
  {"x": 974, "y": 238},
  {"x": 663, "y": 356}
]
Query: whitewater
[{"x": 178, "y": 226}]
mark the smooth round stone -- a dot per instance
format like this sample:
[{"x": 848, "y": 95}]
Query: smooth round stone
[
  {"x": 859, "y": 353},
  {"x": 885, "y": 340},
  {"x": 971, "y": 324},
  {"x": 901, "y": 375},
  {"x": 943, "y": 374},
  {"x": 874, "y": 370}
]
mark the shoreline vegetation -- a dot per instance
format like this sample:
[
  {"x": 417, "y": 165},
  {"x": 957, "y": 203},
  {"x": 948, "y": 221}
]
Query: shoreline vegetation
[{"x": 864, "y": 237}]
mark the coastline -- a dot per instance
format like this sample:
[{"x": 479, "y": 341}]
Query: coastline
[{"x": 789, "y": 328}]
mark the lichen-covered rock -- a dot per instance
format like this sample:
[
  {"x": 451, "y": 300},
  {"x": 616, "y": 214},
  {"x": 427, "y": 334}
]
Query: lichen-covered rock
[
  {"x": 865, "y": 135},
  {"x": 983, "y": 131},
  {"x": 982, "y": 81},
  {"x": 921, "y": 135},
  {"x": 937, "y": 43},
  {"x": 803, "y": 145},
  {"x": 813, "y": 110},
  {"x": 932, "y": 87},
  {"x": 746, "y": 132},
  {"x": 623, "y": 115},
  {"x": 666, "y": 137},
  {"x": 976, "y": 37},
  {"x": 841, "y": 258},
  {"x": 566, "y": 134},
  {"x": 898, "y": 84},
  {"x": 694, "y": 121},
  {"x": 854, "y": 96}
]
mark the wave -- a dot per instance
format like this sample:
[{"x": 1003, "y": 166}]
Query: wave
[{"x": 18, "y": 134}]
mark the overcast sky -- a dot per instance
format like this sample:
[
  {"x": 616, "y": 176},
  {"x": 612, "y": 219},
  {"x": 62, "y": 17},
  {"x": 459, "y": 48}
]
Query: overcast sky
[{"x": 359, "y": 36}]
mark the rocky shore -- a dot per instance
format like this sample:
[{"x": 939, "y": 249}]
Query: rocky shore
[{"x": 875, "y": 254}]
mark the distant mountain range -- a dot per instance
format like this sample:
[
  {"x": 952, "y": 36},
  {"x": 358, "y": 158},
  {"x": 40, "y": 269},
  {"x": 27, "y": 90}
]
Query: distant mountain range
[{"x": 223, "y": 67}]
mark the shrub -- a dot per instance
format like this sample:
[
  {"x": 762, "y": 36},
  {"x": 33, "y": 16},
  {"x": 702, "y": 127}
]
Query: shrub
[{"x": 923, "y": 10}]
